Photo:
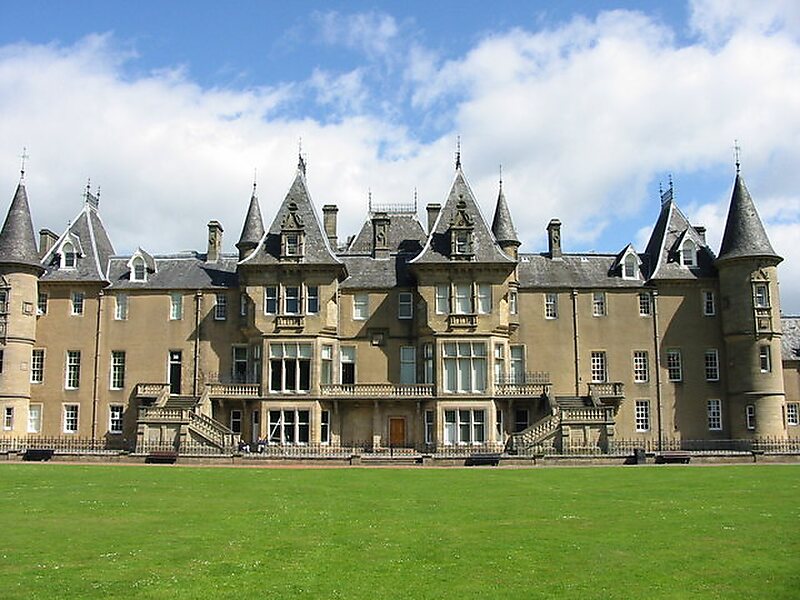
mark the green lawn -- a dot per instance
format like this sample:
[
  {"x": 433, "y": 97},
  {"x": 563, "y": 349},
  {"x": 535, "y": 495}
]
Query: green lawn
[{"x": 616, "y": 532}]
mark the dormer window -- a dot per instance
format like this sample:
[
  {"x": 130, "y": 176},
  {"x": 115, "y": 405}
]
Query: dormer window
[
  {"x": 68, "y": 256},
  {"x": 141, "y": 265},
  {"x": 689, "y": 254},
  {"x": 293, "y": 246},
  {"x": 461, "y": 228},
  {"x": 629, "y": 266},
  {"x": 139, "y": 271},
  {"x": 292, "y": 236},
  {"x": 462, "y": 242}
]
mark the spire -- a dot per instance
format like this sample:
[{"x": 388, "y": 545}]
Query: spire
[
  {"x": 502, "y": 225},
  {"x": 744, "y": 233},
  {"x": 17, "y": 241},
  {"x": 253, "y": 229}
]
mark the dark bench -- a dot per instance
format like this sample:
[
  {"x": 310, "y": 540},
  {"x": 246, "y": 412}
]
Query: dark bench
[
  {"x": 482, "y": 460},
  {"x": 673, "y": 457},
  {"x": 163, "y": 457},
  {"x": 39, "y": 454}
]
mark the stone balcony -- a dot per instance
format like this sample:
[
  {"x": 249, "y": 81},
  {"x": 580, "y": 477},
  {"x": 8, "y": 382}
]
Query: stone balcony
[
  {"x": 462, "y": 321},
  {"x": 377, "y": 390},
  {"x": 294, "y": 322},
  {"x": 233, "y": 390}
]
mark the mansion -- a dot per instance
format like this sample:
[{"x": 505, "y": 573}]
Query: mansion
[{"x": 409, "y": 334}]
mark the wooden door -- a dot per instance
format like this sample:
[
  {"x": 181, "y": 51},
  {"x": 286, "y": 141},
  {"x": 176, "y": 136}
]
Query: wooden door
[{"x": 397, "y": 431}]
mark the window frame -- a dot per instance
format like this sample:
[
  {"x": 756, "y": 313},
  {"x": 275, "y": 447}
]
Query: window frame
[
  {"x": 38, "y": 357},
  {"x": 42, "y": 301},
  {"x": 551, "y": 305},
  {"x": 35, "y": 423},
  {"x": 116, "y": 420},
  {"x": 271, "y": 298},
  {"x": 711, "y": 364},
  {"x": 642, "y": 415},
  {"x": 645, "y": 304},
  {"x": 405, "y": 305},
  {"x": 641, "y": 366},
  {"x": 8, "y": 418},
  {"x": 67, "y": 419},
  {"x": 77, "y": 303},
  {"x": 714, "y": 414},
  {"x": 312, "y": 299},
  {"x": 672, "y": 364},
  {"x": 464, "y": 419},
  {"x": 220, "y": 306},
  {"x": 460, "y": 367},
  {"x": 117, "y": 370},
  {"x": 598, "y": 361},
  {"x": 750, "y": 417},
  {"x": 688, "y": 254},
  {"x": 761, "y": 296},
  {"x": 72, "y": 372},
  {"x": 360, "y": 306},
  {"x": 765, "y": 358},
  {"x": 599, "y": 304},
  {"x": 120, "y": 306},
  {"x": 301, "y": 356},
  {"x": 792, "y": 414},
  {"x": 175, "y": 306},
  {"x": 483, "y": 298},
  {"x": 408, "y": 366},
  {"x": 709, "y": 303}
]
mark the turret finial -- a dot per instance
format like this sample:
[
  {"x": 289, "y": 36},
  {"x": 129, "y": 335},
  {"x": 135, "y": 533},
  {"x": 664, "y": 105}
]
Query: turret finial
[
  {"x": 24, "y": 156},
  {"x": 737, "y": 150},
  {"x": 255, "y": 180},
  {"x": 301, "y": 162},
  {"x": 501, "y": 176},
  {"x": 458, "y": 152}
]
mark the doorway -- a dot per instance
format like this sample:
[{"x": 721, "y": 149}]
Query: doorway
[{"x": 397, "y": 431}]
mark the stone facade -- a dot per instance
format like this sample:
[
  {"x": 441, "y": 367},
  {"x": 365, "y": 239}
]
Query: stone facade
[{"x": 404, "y": 336}]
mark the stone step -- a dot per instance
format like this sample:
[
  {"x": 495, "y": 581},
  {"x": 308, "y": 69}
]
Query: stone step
[{"x": 572, "y": 401}]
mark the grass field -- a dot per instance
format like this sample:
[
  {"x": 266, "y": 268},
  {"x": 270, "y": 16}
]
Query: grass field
[{"x": 617, "y": 532}]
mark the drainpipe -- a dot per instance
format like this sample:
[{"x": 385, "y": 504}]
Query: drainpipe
[
  {"x": 657, "y": 361},
  {"x": 576, "y": 344},
  {"x": 198, "y": 296},
  {"x": 95, "y": 381}
]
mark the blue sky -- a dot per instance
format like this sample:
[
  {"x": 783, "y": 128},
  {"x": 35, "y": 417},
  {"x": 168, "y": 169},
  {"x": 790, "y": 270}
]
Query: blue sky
[{"x": 171, "y": 106}]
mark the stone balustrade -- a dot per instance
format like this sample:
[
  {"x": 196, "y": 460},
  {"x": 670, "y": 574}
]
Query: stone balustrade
[
  {"x": 377, "y": 390},
  {"x": 234, "y": 390}
]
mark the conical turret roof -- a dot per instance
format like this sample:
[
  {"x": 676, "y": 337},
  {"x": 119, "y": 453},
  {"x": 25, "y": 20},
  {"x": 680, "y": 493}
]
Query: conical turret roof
[
  {"x": 502, "y": 225},
  {"x": 17, "y": 240},
  {"x": 744, "y": 233},
  {"x": 253, "y": 229}
]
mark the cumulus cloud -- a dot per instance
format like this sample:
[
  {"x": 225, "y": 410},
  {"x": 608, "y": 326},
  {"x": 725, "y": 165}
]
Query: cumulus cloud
[{"x": 584, "y": 116}]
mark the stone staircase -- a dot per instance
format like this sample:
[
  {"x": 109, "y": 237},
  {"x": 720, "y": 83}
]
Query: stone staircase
[{"x": 536, "y": 434}]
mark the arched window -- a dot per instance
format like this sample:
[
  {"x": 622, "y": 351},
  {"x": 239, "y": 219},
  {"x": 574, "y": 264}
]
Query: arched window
[
  {"x": 139, "y": 273},
  {"x": 68, "y": 256},
  {"x": 689, "y": 254},
  {"x": 629, "y": 267}
]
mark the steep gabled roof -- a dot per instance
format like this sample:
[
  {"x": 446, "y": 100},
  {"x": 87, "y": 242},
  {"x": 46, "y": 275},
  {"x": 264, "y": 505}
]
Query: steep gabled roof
[
  {"x": 484, "y": 246},
  {"x": 17, "y": 240},
  {"x": 317, "y": 250},
  {"x": 502, "y": 224},
  {"x": 95, "y": 247},
  {"x": 253, "y": 229},
  {"x": 405, "y": 235},
  {"x": 744, "y": 233},
  {"x": 184, "y": 271},
  {"x": 662, "y": 255},
  {"x": 573, "y": 271}
]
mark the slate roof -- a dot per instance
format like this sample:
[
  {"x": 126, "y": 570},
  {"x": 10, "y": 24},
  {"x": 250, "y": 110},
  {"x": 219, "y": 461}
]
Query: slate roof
[
  {"x": 662, "y": 257},
  {"x": 17, "y": 240},
  {"x": 253, "y": 229},
  {"x": 405, "y": 235},
  {"x": 317, "y": 250},
  {"x": 364, "y": 272},
  {"x": 572, "y": 271},
  {"x": 484, "y": 246},
  {"x": 744, "y": 233},
  {"x": 184, "y": 271},
  {"x": 94, "y": 245},
  {"x": 502, "y": 224},
  {"x": 790, "y": 342}
]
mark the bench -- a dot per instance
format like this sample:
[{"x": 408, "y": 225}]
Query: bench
[
  {"x": 482, "y": 460},
  {"x": 673, "y": 457},
  {"x": 39, "y": 454},
  {"x": 163, "y": 457}
]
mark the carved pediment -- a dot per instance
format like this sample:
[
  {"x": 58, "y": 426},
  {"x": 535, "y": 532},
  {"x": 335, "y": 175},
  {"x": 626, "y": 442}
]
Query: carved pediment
[
  {"x": 292, "y": 221},
  {"x": 462, "y": 219}
]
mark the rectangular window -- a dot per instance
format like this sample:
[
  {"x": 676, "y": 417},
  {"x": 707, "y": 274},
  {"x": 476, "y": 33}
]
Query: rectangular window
[
  {"x": 78, "y": 299},
  {"x": 463, "y": 299},
  {"x": 8, "y": 418},
  {"x": 73, "y": 380},
  {"x": 442, "y": 299},
  {"x": 70, "y": 418},
  {"x": 427, "y": 356},
  {"x": 326, "y": 367},
  {"x": 750, "y": 416},
  {"x": 220, "y": 307},
  {"x": 255, "y": 351},
  {"x": 518, "y": 364},
  {"x": 115, "y": 418},
  {"x": 428, "y": 426},
  {"x": 408, "y": 365},
  {"x": 3, "y": 302},
  {"x": 513, "y": 302},
  {"x": 293, "y": 244},
  {"x": 642, "y": 415},
  {"x": 499, "y": 425},
  {"x": 761, "y": 295},
  {"x": 521, "y": 421},
  {"x": 551, "y": 305},
  {"x": 1, "y": 360},
  {"x": 641, "y": 367},
  {"x": 598, "y": 304},
  {"x": 499, "y": 363},
  {"x": 239, "y": 364},
  {"x": 464, "y": 367},
  {"x": 37, "y": 365},
  {"x": 291, "y": 299},
  {"x": 35, "y": 418},
  {"x": 312, "y": 299},
  {"x": 715, "y": 415},
  {"x": 236, "y": 420},
  {"x": 175, "y": 371},
  {"x": 41, "y": 305},
  {"x": 464, "y": 427},
  {"x": 793, "y": 414},
  {"x": 242, "y": 305},
  {"x": 325, "y": 427},
  {"x": 484, "y": 298},
  {"x": 405, "y": 306},
  {"x": 674, "y": 365},
  {"x": 290, "y": 367},
  {"x": 117, "y": 370},
  {"x": 712, "y": 365},
  {"x": 765, "y": 359},
  {"x": 289, "y": 426},
  {"x": 347, "y": 358},
  {"x": 360, "y": 307},
  {"x": 645, "y": 308},
  {"x": 175, "y": 306},
  {"x": 599, "y": 367},
  {"x": 709, "y": 305},
  {"x": 271, "y": 300},
  {"x": 120, "y": 307}
]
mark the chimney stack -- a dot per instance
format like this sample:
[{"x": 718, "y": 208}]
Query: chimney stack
[
  {"x": 214, "y": 241},
  {"x": 47, "y": 240},
  {"x": 329, "y": 214},
  {"x": 701, "y": 231},
  {"x": 380, "y": 235},
  {"x": 433, "y": 213},
  {"x": 554, "y": 238}
]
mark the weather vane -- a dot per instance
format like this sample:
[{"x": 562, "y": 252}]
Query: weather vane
[{"x": 24, "y": 156}]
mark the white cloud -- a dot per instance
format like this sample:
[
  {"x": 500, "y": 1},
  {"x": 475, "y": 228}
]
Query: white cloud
[
  {"x": 372, "y": 33},
  {"x": 717, "y": 20}
]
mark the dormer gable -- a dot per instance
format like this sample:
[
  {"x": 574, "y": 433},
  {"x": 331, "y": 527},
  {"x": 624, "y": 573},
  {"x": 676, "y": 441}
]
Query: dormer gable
[
  {"x": 627, "y": 264},
  {"x": 140, "y": 266},
  {"x": 69, "y": 251},
  {"x": 292, "y": 233},
  {"x": 462, "y": 227},
  {"x": 684, "y": 251}
]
